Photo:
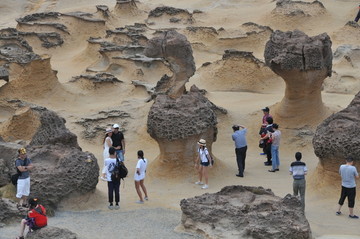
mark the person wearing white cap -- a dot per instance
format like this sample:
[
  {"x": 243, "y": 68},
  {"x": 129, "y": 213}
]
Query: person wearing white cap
[
  {"x": 118, "y": 142},
  {"x": 202, "y": 162},
  {"x": 107, "y": 142}
]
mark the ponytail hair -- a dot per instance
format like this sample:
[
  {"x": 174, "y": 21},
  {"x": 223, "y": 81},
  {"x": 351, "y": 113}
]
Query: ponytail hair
[{"x": 140, "y": 154}]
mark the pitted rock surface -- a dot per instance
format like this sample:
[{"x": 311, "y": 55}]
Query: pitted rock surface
[
  {"x": 336, "y": 138},
  {"x": 176, "y": 49},
  {"x": 159, "y": 11},
  {"x": 61, "y": 171},
  {"x": 245, "y": 212},
  {"x": 9, "y": 212},
  {"x": 7, "y": 161},
  {"x": 51, "y": 232},
  {"x": 299, "y": 8},
  {"x": 303, "y": 62}
]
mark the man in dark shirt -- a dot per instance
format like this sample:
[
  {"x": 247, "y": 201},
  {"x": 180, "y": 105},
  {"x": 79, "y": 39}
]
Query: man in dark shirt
[
  {"x": 118, "y": 142},
  {"x": 267, "y": 139}
]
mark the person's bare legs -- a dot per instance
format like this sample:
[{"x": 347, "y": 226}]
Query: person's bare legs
[
  {"x": 137, "y": 186},
  {"x": 22, "y": 227},
  {"x": 351, "y": 210},
  {"x": 142, "y": 185},
  {"x": 205, "y": 173},
  {"x": 200, "y": 171}
]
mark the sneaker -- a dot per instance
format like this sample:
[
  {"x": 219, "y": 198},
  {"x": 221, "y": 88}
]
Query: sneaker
[
  {"x": 117, "y": 207},
  {"x": 205, "y": 186},
  {"x": 354, "y": 216},
  {"x": 338, "y": 213},
  {"x": 140, "y": 202},
  {"x": 262, "y": 153},
  {"x": 239, "y": 175},
  {"x": 111, "y": 207},
  {"x": 146, "y": 198},
  {"x": 199, "y": 183},
  {"x": 103, "y": 179}
]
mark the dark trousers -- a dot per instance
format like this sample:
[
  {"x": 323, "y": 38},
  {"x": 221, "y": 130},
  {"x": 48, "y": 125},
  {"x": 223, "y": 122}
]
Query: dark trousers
[
  {"x": 350, "y": 193},
  {"x": 114, "y": 187},
  {"x": 240, "y": 158},
  {"x": 357, "y": 17},
  {"x": 267, "y": 150}
]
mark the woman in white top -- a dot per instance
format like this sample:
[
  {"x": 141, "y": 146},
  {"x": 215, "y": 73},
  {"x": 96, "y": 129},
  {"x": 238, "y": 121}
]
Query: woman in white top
[
  {"x": 202, "y": 162},
  {"x": 107, "y": 142},
  {"x": 140, "y": 176}
]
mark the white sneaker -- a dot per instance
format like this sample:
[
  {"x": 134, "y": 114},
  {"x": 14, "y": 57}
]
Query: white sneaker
[
  {"x": 199, "y": 183},
  {"x": 205, "y": 186},
  {"x": 140, "y": 202}
]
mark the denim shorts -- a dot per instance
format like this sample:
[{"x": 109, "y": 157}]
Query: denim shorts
[{"x": 205, "y": 164}]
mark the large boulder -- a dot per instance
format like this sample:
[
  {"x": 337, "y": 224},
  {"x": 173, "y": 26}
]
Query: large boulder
[
  {"x": 177, "y": 125},
  {"x": 61, "y": 168},
  {"x": 176, "y": 49},
  {"x": 245, "y": 212},
  {"x": 51, "y": 232},
  {"x": 303, "y": 62},
  {"x": 336, "y": 138}
]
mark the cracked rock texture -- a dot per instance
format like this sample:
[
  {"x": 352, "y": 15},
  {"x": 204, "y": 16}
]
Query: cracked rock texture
[{"x": 245, "y": 212}]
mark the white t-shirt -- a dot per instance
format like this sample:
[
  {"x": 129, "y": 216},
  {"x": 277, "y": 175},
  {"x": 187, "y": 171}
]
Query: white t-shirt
[
  {"x": 109, "y": 165},
  {"x": 203, "y": 153},
  {"x": 141, "y": 165}
]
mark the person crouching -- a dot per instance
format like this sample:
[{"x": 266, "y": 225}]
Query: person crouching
[{"x": 35, "y": 219}]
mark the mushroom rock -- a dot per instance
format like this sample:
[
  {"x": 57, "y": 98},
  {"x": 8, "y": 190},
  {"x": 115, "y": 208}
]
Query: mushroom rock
[
  {"x": 245, "y": 212},
  {"x": 303, "y": 62},
  {"x": 178, "y": 124},
  {"x": 337, "y": 138},
  {"x": 176, "y": 49}
]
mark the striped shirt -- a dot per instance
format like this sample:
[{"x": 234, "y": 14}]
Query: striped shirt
[{"x": 298, "y": 170}]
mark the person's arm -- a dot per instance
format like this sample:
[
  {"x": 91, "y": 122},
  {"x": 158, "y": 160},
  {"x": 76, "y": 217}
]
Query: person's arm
[
  {"x": 291, "y": 170},
  {"x": 266, "y": 136},
  {"x": 123, "y": 145},
  {"x": 242, "y": 126},
  {"x": 108, "y": 142}
]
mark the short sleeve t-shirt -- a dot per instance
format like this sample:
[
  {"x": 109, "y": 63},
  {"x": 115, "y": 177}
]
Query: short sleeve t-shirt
[
  {"x": 141, "y": 165},
  {"x": 110, "y": 165},
  {"x": 348, "y": 173},
  {"x": 276, "y": 138},
  {"x": 202, "y": 154},
  {"x": 117, "y": 138},
  {"x": 25, "y": 162}
]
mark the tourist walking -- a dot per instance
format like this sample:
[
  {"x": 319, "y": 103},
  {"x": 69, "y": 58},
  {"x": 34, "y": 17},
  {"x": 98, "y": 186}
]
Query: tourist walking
[
  {"x": 107, "y": 143},
  {"x": 23, "y": 166},
  {"x": 118, "y": 142},
  {"x": 113, "y": 183},
  {"x": 139, "y": 176},
  {"x": 239, "y": 137},
  {"x": 298, "y": 170},
  {"x": 348, "y": 186},
  {"x": 275, "y": 138},
  {"x": 202, "y": 162},
  {"x": 36, "y": 218}
]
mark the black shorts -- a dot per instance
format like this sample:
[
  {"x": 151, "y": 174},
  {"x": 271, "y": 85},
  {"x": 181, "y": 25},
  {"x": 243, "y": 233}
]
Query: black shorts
[{"x": 205, "y": 164}]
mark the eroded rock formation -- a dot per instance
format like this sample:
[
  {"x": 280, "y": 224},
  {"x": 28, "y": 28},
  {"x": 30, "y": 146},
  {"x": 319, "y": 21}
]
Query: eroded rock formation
[
  {"x": 336, "y": 138},
  {"x": 175, "y": 48},
  {"x": 9, "y": 212},
  {"x": 177, "y": 125},
  {"x": 299, "y": 8},
  {"x": 303, "y": 62},
  {"x": 52, "y": 232},
  {"x": 245, "y": 212},
  {"x": 61, "y": 168}
]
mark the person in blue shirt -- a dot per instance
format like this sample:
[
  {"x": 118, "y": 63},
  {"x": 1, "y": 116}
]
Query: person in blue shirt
[
  {"x": 239, "y": 137},
  {"x": 348, "y": 186}
]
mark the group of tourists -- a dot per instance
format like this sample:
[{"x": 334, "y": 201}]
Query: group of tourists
[{"x": 113, "y": 155}]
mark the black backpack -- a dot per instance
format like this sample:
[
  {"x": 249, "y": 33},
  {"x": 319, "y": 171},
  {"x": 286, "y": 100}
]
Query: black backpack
[
  {"x": 15, "y": 177},
  {"x": 119, "y": 171}
]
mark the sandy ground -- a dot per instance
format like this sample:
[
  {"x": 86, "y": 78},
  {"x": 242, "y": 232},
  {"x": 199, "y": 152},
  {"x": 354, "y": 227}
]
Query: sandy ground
[{"x": 86, "y": 214}]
